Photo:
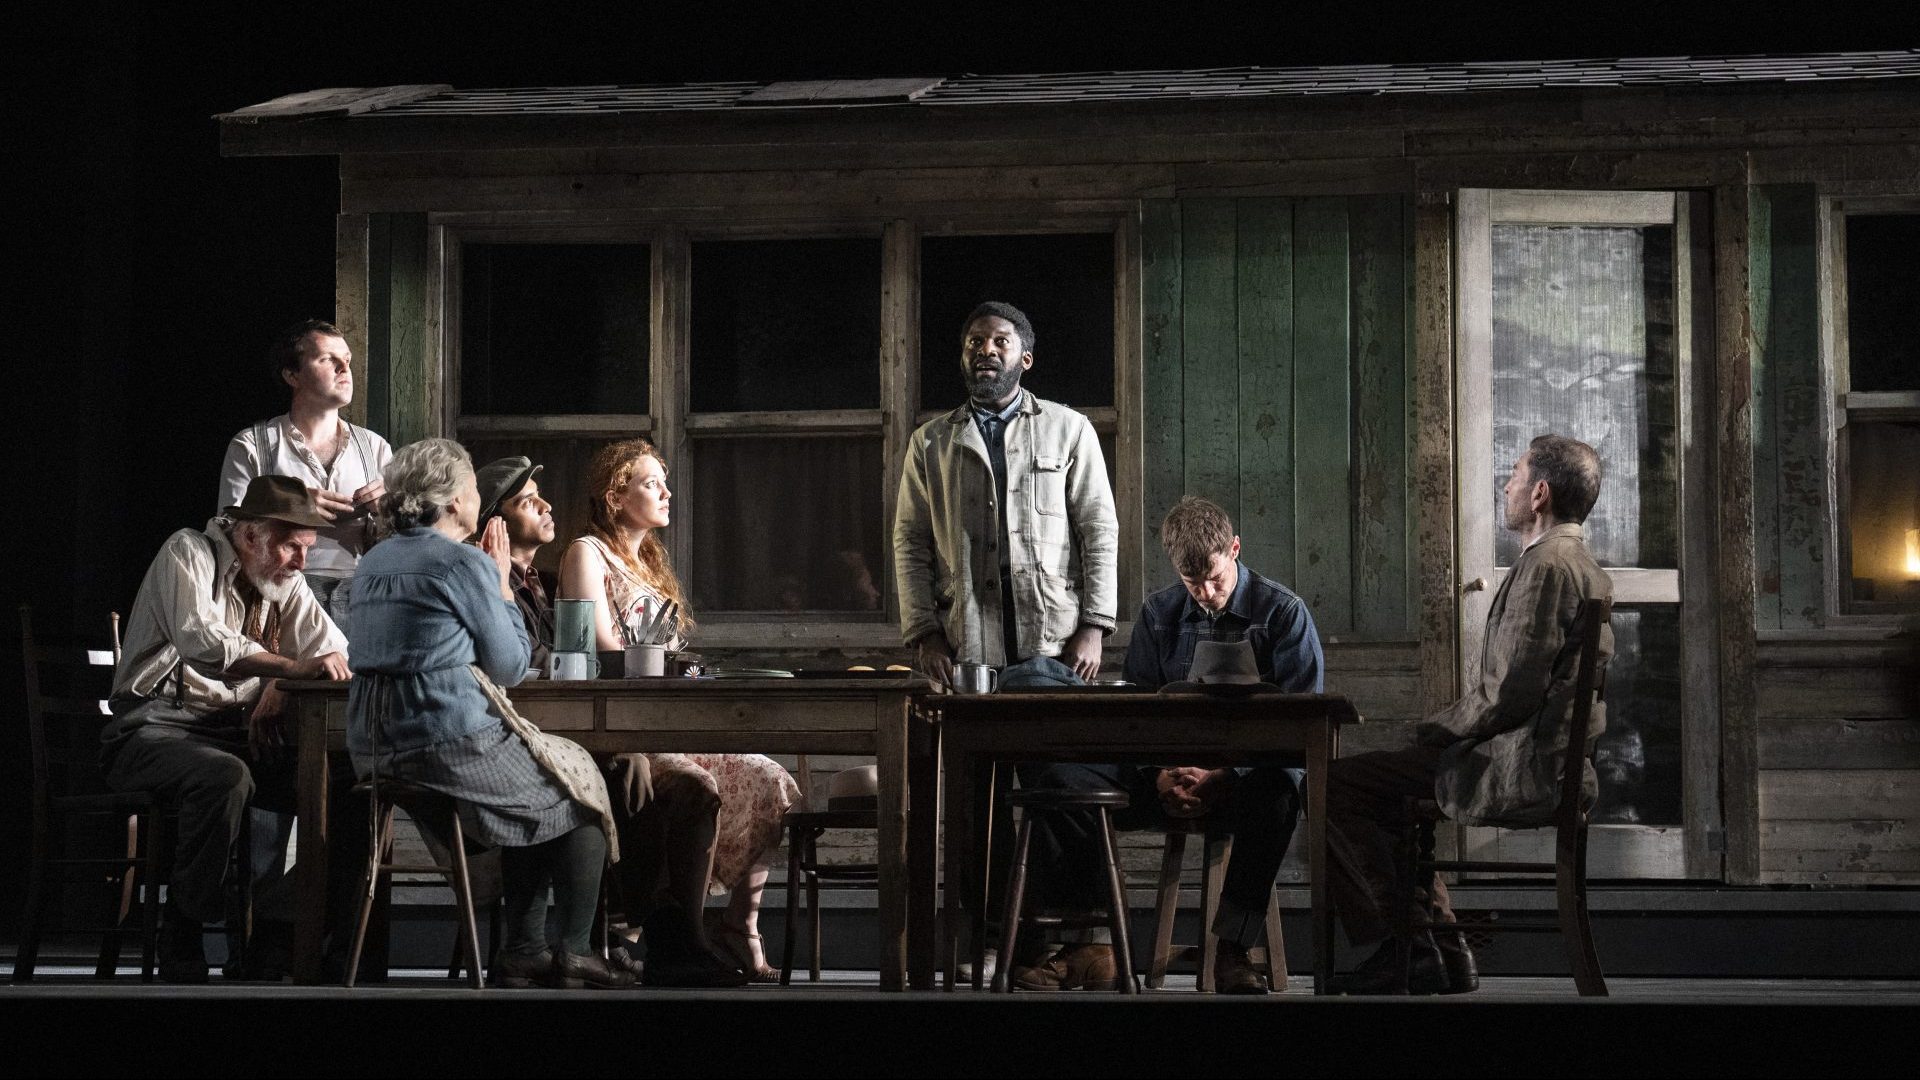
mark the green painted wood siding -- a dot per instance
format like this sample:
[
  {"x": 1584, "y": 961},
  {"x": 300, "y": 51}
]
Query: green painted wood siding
[
  {"x": 398, "y": 367},
  {"x": 1789, "y": 486},
  {"x": 1277, "y": 384}
]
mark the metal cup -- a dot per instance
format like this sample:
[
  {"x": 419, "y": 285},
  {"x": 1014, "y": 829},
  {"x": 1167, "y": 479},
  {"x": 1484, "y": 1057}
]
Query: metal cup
[
  {"x": 975, "y": 679},
  {"x": 644, "y": 661},
  {"x": 575, "y": 666}
]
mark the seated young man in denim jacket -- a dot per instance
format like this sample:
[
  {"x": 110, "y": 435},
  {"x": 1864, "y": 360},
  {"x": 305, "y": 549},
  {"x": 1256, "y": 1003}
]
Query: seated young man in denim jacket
[{"x": 1217, "y": 601}]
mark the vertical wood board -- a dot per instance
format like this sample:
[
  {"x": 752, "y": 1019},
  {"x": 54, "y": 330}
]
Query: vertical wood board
[
  {"x": 1322, "y": 409},
  {"x": 1764, "y": 413},
  {"x": 379, "y": 412},
  {"x": 1378, "y": 255},
  {"x": 1433, "y": 458},
  {"x": 410, "y": 372},
  {"x": 1793, "y": 365},
  {"x": 1163, "y": 437},
  {"x": 1265, "y": 337},
  {"x": 1735, "y": 600},
  {"x": 1210, "y": 410}
]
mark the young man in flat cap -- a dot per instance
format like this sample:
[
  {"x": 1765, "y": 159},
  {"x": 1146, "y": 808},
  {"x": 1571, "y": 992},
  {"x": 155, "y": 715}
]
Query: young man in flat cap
[
  {"x": 510, "y": 490},
  {"x": 221, "y": 614}
]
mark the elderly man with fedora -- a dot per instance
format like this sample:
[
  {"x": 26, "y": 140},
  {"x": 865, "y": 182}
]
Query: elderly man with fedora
[
  {"x": 1224, "y": 629},
  {"x": 509, "y": 490},
  {"x": 221, "y": 614}
]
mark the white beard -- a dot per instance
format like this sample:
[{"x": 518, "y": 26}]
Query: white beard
[{"x": 277, "y": 592}]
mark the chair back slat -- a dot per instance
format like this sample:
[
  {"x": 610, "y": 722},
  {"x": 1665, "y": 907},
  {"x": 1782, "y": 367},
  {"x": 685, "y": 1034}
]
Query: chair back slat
[
  {"x": 66, "y": 691},
  {"x": 1590, "y": 621}
]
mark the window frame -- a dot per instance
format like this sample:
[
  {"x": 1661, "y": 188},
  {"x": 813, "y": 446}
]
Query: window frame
[
  {"x": 674, "y": 427},
  {"x": 1847, "y": 407}
]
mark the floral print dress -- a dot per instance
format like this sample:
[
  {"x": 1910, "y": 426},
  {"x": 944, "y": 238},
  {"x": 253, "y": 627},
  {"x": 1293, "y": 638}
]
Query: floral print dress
[{"x": 754, "y": 790}]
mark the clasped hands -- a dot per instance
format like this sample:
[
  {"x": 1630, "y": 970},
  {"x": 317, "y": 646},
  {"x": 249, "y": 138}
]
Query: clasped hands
[{"x": 1189, "y": 792}]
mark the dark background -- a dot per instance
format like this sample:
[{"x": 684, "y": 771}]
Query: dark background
[{"x": 147, "y": 272}]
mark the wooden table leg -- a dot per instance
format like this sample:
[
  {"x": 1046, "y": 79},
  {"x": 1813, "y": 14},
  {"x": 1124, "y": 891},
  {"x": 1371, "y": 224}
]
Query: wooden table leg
[
  {"x": 958, "y": 790},
  {"x": 923, "y": 847},
  {"x": 890, "y": 751},
  {"x": 1319, "y": 755},
  {"x": 310, "y": 867}
]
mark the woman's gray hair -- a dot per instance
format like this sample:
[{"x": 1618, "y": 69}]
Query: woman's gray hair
[{"x": 421, "y": 481}]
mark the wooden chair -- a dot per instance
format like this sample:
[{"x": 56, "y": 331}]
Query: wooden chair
[
  {"x": 1219, "y": 849},
  {"x": 1416, "y": 866},
  {"x": 421, "y": 804},
  {"x": 805, "y": 868},
  {"x": 1053, "y": 800},
  {"x": 431, "y": 810},
  {"x": 65, "y": 715}
]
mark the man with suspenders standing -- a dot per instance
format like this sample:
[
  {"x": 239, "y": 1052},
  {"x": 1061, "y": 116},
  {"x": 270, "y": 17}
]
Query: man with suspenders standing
[{"x": 338, "y": 462}]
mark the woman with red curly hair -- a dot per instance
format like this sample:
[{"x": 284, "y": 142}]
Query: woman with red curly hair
[{"x": 694, "y": 822}]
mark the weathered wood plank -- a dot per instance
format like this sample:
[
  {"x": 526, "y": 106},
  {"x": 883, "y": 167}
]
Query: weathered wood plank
[
  {"x": 1862, "y": 846},
  {"x": 1135, "y": 544},
  {"x": 1840, "y": 744},
  {"x": 1839, "y": 794},
  {"x": 1378, "y": 250},
  {"x": 410, "y": 372},
  {"x": 1765, "y": 411},
  {"x": 1699, "y": 655},
  {"x": 378, "y": 410},
  {"x": 350, "y": 302},
  {"x": 1792, "y": 358},
  {"x": 1210, "y": 377},
  {"x": 847, "y": 189},
  {"x": 1162, "y": 379},
  {"x": 1265, "y": 408},
  {"x": 332, "y": 101},
  {"x": 1322, "y": 385},
  {"x": 1733, "y": 376},
  {"x": 1432, "y": 313},
  {"x": 1837, "y": 693},
  {"x": 899, "y": 375}
]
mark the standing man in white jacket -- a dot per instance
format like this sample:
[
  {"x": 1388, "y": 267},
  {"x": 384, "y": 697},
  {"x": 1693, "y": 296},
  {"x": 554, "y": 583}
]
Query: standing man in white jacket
[
  {"x": 1005, "y": 541},
  {"x": 339, "y": 462}
]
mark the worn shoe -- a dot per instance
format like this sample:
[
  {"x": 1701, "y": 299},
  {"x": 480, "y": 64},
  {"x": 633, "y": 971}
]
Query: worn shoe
[
  {"x": 1463, "y": 975},
  {"x": 1380, "y": 973},
  {"x": 182, "y": 951},
  {"x": 574, "y": 971},
  {"x": 520, "y": 970},
  {"x": 1233, "y": 970},
  {"x": 1076, "y": 967}
]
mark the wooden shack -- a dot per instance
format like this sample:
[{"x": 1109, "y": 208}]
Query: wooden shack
[{"x": 1335, "y": 300}]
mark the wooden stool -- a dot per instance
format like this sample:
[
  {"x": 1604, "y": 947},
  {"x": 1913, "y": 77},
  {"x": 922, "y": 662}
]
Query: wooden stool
[
  {"x": 1056, "y": 800},
  {"x": 1219, "y": 849},
  {"x": 803, "y": 864},
  {"x": 421, "y": 804}
]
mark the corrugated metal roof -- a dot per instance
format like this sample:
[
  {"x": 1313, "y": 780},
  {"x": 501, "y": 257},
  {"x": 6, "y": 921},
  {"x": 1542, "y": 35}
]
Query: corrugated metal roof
[{"x": 1239, "y": 82}]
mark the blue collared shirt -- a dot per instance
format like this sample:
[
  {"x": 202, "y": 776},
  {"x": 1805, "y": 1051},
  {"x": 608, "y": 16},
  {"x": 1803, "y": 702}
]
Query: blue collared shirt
[{"x": 1286, "y": 645}]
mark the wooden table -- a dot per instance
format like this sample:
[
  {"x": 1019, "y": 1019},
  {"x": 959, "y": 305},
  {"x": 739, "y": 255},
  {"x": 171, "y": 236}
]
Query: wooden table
[
  {"x": 762, "y": 716},
  {"x": 1099, "y": 725}
]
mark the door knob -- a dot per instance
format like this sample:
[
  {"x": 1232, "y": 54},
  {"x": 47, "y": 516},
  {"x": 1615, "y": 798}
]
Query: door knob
[{"x": 1476, "y": 585}]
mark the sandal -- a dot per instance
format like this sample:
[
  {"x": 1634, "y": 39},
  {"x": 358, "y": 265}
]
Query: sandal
[{"x": 746, "y": 948}]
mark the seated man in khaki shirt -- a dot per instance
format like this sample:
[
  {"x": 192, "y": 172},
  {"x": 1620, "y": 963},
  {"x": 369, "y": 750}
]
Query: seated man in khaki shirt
[{"x": 220, "y": 614}]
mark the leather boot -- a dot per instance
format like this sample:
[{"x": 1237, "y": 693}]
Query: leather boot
[
  {"x": 1380, "y": 973},
  {"x": 1075, "y": 967},
  {"x": 182, "y": 949},
  {"x": 1233, "y": 971},
  {"x": 1463, "y": 975}
]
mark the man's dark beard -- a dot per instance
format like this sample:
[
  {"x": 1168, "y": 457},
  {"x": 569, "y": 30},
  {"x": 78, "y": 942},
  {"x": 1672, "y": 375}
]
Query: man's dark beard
[{"x": 995, "y": 390}]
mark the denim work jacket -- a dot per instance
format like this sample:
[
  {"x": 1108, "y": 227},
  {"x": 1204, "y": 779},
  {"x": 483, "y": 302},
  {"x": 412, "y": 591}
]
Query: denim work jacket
[
  {"x": 424, "y": 609},
  {"x": 1286, "y": 645},
  {"x": 1060, "y": 523}
]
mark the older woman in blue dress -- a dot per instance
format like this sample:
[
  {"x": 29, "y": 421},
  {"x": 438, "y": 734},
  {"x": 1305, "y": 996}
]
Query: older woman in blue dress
[{"x": 438, "y": 635}]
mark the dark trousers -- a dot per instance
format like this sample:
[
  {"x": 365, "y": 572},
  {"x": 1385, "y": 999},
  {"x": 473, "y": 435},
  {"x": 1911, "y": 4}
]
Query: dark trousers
[
  {"x": 212, "y": 777},
  {"x": 669, "y": 823},
  {"x": 1063, "y": 862},
  {"x": 1366, "y": 811}
]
